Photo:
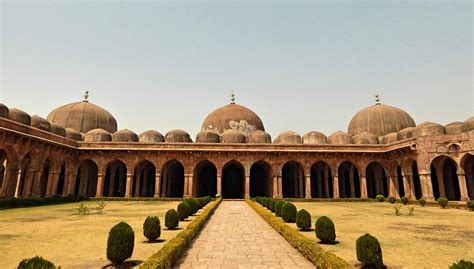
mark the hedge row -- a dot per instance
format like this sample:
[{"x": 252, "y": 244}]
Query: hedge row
[
  {"x": 308, "y": 247},
  {"x": 140, "y": 199},
  {"x": 170, "y": 253},
  {"x": 30, "y": 202}
]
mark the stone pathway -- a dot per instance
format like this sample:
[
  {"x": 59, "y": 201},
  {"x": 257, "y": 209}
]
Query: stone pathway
[{"x": 237, "y": 237}]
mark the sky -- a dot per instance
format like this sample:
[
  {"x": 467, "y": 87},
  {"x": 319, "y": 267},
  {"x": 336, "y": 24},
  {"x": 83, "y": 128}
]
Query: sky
[{"x": 300, "y": 66}]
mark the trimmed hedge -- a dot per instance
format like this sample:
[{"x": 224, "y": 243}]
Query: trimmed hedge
[
  {"x": 170, "y": 253},
  {"x": 30, "y": 202},
  {"x": 193, "y": 206},
  {"x": 171, "y": 219},
  {"x": 325, "y": 230},
  {"x": 183, "y": 210},
  {"x": 152, "y": 228},
  {"x": 443, "y": 202},
  {"x": 278, "y": 207},
  {"x": 380, "y": 198},
  {"x": 369, "y": 252},
  {"x": 470, "y": 205},
  {"x": 303, "y": 220},
  {"x": 391, "y": 199},
  {"x": 462, "y": 264},
  {"x": 288, "y": 212},
  {"x": 272, "y": 204},
  {"x": 422, "y": 202},
  {"x": 405, "y": 200},
  {"x": 120, "y": 243},
  {"x": 36, "y": 262},
  {"x": 306, "y": 246}
]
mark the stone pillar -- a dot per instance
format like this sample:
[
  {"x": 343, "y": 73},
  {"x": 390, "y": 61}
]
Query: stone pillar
[
  {"x": 351, "y": 183},
  {"x": 84, "y": 182},
  {"x": 71, "y": 185},
  {"x": 275, "y": 187},
  {"x": 326, "y": 185},
  {"x": 128, "y": 186},
  {"x": 28, "y": 184},
  {"x": 111, "y": 178},
  {"x": 426, "y": 187},
  {"x": 440, "y": 178},
  {"x": 157, "y": 185},
  {"x": 301, "y": 185},
  {"x": 308, "y": 187},
  {"x": 463, "y": 187},
  {"x": 408, "y": 186},
  {"x": 247, "y": 186},
  {"x": 280, "y": 187},
  {"x": 100, "y": 185},
  {"x": 363, "y": 186},
  {"x": 393, "y": 191},
  {"x": 54, "y": 185},
  {"x": 138, "y": 179},
  {"x": 36, "y": 191},
  {"x": 336, "y": 187},
  {"x": 49, "y": 184},
  {"x": 10, "y": 182},
  {"x": 186, "y": 186},
  {"x": 219, "y": 183}
]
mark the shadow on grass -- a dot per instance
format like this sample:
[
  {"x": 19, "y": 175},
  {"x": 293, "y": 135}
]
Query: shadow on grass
[
  {"x": 174, "y": 229},
  {"x": 306, "y": 231},
  {"x": 333, "y": 243},
  {"x": 125, "y": 265},
  {"x": 157, "y": 241}
]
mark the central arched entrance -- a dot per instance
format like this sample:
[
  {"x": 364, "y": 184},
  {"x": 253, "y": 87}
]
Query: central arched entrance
[
  {"x": 377, "y": 183},
  {"x": 144, "y": 178},
  {"x": 86, "y": 179},
  {"x": 349, "y": 183},
  {"x": 172, "y": 179},
  {"x": 233, "y": 182},
  {"x": 205, "y": 178},
  {"x": 293, "y": 183},
  {"x": 260, "y": 180},
  {"x": 115, "y": 179},
  {"x": 444, "y": 178},
  {"x": 321, "y": 181}
]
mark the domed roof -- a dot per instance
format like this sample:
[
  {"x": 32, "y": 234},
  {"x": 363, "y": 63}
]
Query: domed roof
[
  {"x": 365, "y": 138},
  {"x": 259, "y": 137},
  {"x": 468, "y": 124},
  {"x": 315, "y": 138},
  {"x": 380, "y": 120},
  {"x": 232, "y": 136},
  {"x": 73, "y": 134},
  {"x": 151, "y": 136},
  {"x": 288, "y": 137},
  {"x": 124, "y": 135},
  {"x": 389, "y": 138},
  {"x": 3, "y": 111},
  {"x": 20, "y": 116},
  {"x": 340, "y": 138},
  {"x": 40, "y": 123},
  {"x": 208, "y": 137},
  {"x": 233, "y": 116},
  {"x": 83, "y": 117},
  {"x": 57, "y": 129},
  {"x": 454, "y": 127},
  {"x": 98, "y": 135},
  {"x": 178, "y": 136},
  {"x": 406, "y": 133},
  {"x": 430, "y": 128}
]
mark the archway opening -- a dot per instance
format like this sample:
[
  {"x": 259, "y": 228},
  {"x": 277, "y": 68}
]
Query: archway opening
[
  {"x": 469, "y": 174},
  {"x": 349, "y": 182},
  {"x": 444, "y": 178},
  {"x": 205, "y": 178},
  {"x": 172, "y": 179},
  {"x": 376, "y": 180},
  {"x": 115, "y": 180},
  {"x": 401, "y": 186},
  {"x": 3, "y": 168},
  {"x": 144, "y": 178},
  {"x": 260, "y": 180},
  {"x": 321, "y": 181},
  {"x": 23, "y": 188},
  {"x": 86, "y": 179},
  {"x": 233, "y": 180},
  {"x": 416, "y": 180},
  {"x": 293, "y": 183},
  {"x": 44, "y": 178},
  {"x": 61, "y": 181}
]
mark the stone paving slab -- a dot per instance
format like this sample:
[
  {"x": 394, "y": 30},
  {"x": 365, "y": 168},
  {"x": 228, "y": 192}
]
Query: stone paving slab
[{"x": 237, "y": 237}]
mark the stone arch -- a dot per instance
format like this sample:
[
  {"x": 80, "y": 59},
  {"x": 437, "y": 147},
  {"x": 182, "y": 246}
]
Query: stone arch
[
  {"x": 410, "y": 170},
  {"x": 377, "y": 181},
  {"x": 86, "y": 179},
  {"x": 144, "y": 178},
  {"x": 60, "y": 187},
  {"x": 261, "y": 180},
  {"x": 172, "y": 179},
  {"x": 233, "y": 180},
  {"x": 321, "y": 180},
  {"x": 293, "y": 180},
  {"x": 8, "y": 172},
  {"x": 3, "y": 168},
  {"x": 444, "y": 178},
  {"x": 23, "y": 188},
  {"x": 348, "y": 180},
  {"x": 205, "y": 179},
  {"x": 43, "y": 183},
  {"x": 467, "y": 164},
  {"x": 401, "y": 185}
]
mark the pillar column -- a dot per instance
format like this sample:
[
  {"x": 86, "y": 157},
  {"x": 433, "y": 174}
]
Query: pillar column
[
  {"x": 393, "y": 191},
  {"x": 408, "y": 186},
  {"x": 138, "y": 180},
  {"x": 10, "y": 182},
  {"x": 326, "y": 180},
  {"x": 335, "y": 187},
  {"x": 84, "y": 182},
  {"x": 71, "y": 185},
  {"x": 426, "y": 187},
  {"x": 440, "y": 178},
  {"x": 36, "y": 191},
  {"x": 54, "y": 185},
  {"x": 247, "y": 186},
  {"x": 49, "y": 184},
  {"x": 351, "y": 183},
  {"x": 308, "y": 187},
  {"x": 111, "y": 178},
  {"x": 28, "y": 184},
  {"x": 280, "y": 186},
  {"x": 100, "y": 185},
  {"x": 463, "y": 187},
  {"x": 157, "y": 185},
  {"x": 128, "y": 186},
  {"x": 363, "y": 186},
  {"x": 219, "y": 184},
  {"x": 275, "y": 187}
]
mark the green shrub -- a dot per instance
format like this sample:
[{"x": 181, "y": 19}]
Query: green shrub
[
  {"x": 171, "y": 219},
  {"x": 36, "y": 263},
  {"x": 278, "y": 207},
  {"x": 392, "y": 200},
  {"x": 462, "y": 264},
  {"x": 152, "y": 228},
  {"x": 183, "y": 210},
  {"x": 120, "y": 243},
  {"x": 369, "y": 252},
  {"x": 193, "y": 206},
  {"x": 380, "y": 198},
  {"x": 266, "y": 202},
  {"x": 470, "y": 205},
  {"x": 273, "y": 204},
  {"x": 288, "y": 212},
  {"x": 443, "y": 202},
  {"x": 405, "y": 200},
  {"x": 325, "y": 230},
  {"x": 422, "y": 201},
  {"x": 303, "y": 220}
]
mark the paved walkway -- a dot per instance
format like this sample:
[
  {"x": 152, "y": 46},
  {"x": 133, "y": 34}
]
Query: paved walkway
[{"x": 237, "y": 237}]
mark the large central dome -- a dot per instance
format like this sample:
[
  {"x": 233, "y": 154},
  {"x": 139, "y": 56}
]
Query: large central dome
[{"x": 233, "y": 117}]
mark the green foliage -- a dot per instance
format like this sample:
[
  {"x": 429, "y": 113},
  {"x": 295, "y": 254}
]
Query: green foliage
[
  {"x": 470, "y": 205},
  {"x": 380, "y": 198},
  {"x": 100, "y": 207},
  {"x": 36, "y": 263},
  {"x": 193, "y": 206},
  {"x": 29, "y": 202},
  {"x": 325, "y": 230},
  {"x": 369, "y": 252},
  {"x": 422, "y": 202},
  {"x": 172, "y": 219},
  {"x": 183, "y": 210},
  {"x": 120, "y": 243},
  {"x": 443, "y": 202},
  {"x": 392, "y": 200},
  {"x": 266, "y": 202},
  {"x": 288, "y": 212},
  {"x": 273, "y": 204},
  {"x": 303, "y": 220},
  {"x": 405, "y": 200},
  {"x": 82, "y": 209},
  {"x": 397, "y": 209},
  {"x": 278, "y": 207},
  {"x": 152, "y": 228},
  {"x": 462, "y": 264}
]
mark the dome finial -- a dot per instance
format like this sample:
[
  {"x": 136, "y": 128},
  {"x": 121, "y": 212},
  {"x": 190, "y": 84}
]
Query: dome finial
[
  {"x": 377, "y": 99},
  {"x": 86, "y": 96},
  {"x": 232, "y": 98}
]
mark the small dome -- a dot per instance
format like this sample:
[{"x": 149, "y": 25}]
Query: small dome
[
  {"x": 151, "y": 136},
  {"x": 406, "y": 133},
  {"x": 73, "y": 134},
  {"x": 340, "y": 138},
  {"x": 233, "y": 117},
  {"x": 178, "y": 136},
  {"x": 259, "y": 137},
  {"x": 57, "y": 129},
  {"x": 315, "y": 138},
  {"x": 124, "y": 135},
  {"x": 380, "y": 120},
  {"x": 232, "y": 136},
  {"x": 389, "y": 138},
  {"x": 20, "y": 116},
  {"x": 98, "y": 135},
  {"x": 430, "y": 128},
  {"x": 288, "y": 137},
  {"x": 40, "y": 123},
  {"x": 208, "y": 137},
  {"x": 468, "y": 125},
  {"x": 3, "y": 111},
  {"x": 453, "y": 128},
  {"x": 366, "y": 138}
]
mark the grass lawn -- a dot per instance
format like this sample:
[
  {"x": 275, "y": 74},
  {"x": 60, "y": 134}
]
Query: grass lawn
[
  {"x": 431, "y": 238},
  {"x": 60, "y": 235}
]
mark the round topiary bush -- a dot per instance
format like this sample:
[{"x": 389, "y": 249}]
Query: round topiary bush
[
  {"x": 193, "y": 206},
  {"x": 36, "y": 262},
  {"x": 443, "y": 202},
  {"x": 279, "y": 207},
  {"x": 392, "y": 200},
  {"x": 462, "y": 264},
  {"x": 171, "y": 219},
  {"x": 120, "y": 243},
  {"x": 183, "y": 210},
  {"x": 405, "y": 200},
  {"x": 470, "y": 205},
  {"x": 152, "y": 228},
  {"x": 288, "y": 212},
  {"x": 325, "y": 230},
  {"x": 422, "y": 202},
  {"x": 369, "y": 252},
  {"x": 380, "y": 198},
  {"x": 303, "y": 220}
]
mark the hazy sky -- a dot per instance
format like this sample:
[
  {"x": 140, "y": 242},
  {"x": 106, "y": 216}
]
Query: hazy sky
[{"x": 300, "y": 66}]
